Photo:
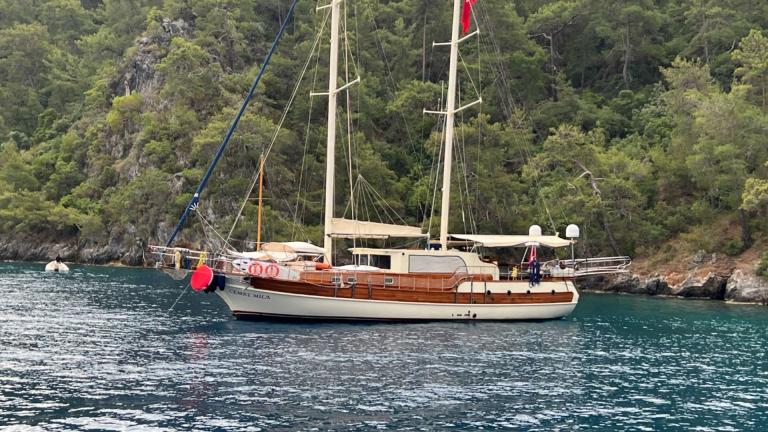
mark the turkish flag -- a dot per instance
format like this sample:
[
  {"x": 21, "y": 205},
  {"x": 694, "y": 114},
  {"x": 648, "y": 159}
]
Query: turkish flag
[{"x": 466, "y": 15}]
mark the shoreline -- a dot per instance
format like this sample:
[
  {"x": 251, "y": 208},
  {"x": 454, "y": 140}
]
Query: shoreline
[{"x": 736, "y": 288}]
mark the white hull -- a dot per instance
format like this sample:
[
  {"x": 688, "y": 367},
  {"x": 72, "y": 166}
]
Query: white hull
[{"x": 246, "y": 301}]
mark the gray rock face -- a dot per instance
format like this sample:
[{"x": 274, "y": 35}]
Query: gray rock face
[
  {"x": 139, "y": 72},
  {"x": 657, "y": 286},
  {"x": 746, "y": 287},
  {"x": 628, "y": 284},
  {"x": 71, "y": 251},
  {"x": 712, "y": 286}
]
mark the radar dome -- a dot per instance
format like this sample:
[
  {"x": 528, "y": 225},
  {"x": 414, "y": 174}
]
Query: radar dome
[{"x": 572, "y": 231}]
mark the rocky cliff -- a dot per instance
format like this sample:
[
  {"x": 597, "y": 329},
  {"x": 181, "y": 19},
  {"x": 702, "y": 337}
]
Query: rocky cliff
[
  {"x": 709, "y": 276},
  {"x": 114, "y": 252}
]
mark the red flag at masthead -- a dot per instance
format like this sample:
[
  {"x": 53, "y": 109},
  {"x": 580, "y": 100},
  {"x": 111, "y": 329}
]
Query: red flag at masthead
[{"x": 466, "y": 15}]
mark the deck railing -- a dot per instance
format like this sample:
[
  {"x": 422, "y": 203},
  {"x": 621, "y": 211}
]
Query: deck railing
[
  {"x": 599, "y": 266},
  {"x": 189, "y": 259}
]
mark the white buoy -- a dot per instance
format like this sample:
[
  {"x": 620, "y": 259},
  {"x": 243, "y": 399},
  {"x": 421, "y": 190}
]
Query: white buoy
[{"x": 56, "y": 266}]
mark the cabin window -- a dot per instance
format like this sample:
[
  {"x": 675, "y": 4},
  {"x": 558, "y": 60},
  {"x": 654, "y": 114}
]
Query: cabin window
[
  {"x": 436, "y": 264},
  {"x": 389, "y": 281},
  {"x": 362, "y": 260},
  {"x": 336, "y": 279},
  {"x": 381, "y": 261},
  {"x": 351, "y": 280}
]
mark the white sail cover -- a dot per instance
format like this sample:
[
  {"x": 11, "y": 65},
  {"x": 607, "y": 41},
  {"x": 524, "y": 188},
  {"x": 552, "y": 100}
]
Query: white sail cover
[
  {"x": 348, "y": 228},
  {"x": 281, "y": 251},
  {"x": 492, "y": 241},
  {"x": 302, "y": 248}
]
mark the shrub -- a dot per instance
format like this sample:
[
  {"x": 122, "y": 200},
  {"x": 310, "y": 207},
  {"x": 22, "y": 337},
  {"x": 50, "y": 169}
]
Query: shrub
[
  {"x": 734, "y": 247},
  {"x": 762, "y": 266}
]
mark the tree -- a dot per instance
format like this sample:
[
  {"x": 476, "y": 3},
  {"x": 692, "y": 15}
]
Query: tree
[
  {"x": 66, "y": 20},
  {"x": 24, "y": 51},
  {"x": 752, "y": 55},
  {"x": 190, "y": 78},
  {"x": 631, "y": 30}
]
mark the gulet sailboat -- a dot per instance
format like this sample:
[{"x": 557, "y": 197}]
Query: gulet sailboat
[{"x": 299, "y": 281}]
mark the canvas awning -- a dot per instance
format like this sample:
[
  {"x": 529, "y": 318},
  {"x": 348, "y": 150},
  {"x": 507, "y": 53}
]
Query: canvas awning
[
  {"x": 347, "y": 228},
  {"x": 495, "y": 241}
]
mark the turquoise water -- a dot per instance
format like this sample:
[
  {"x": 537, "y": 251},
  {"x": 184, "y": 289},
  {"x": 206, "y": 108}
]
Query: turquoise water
[{"x": 97, "y": 349}]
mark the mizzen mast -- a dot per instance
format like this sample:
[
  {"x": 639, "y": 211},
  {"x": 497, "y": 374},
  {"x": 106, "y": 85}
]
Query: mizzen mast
[
  {"x": 330, "y": 154},
  {"x": 450, "y": 111}
]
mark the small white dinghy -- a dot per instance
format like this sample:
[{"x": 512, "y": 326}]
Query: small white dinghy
[{"x": 56, "y": 266}]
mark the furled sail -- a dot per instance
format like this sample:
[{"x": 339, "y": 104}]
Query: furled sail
[
  {"x": 280, "y": 251},
  {"x": 348, "y": 228}
]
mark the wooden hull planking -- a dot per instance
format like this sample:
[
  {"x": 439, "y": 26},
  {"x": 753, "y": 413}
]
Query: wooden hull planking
[{"x": 470, "y": 300}]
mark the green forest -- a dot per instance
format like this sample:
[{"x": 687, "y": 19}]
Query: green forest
[{"x": 640, "y": 121}]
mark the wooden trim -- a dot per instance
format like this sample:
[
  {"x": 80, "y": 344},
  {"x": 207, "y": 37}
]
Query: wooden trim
[
  {"x": 415, "y": 295},
  {"x": 256, "y": 316}
]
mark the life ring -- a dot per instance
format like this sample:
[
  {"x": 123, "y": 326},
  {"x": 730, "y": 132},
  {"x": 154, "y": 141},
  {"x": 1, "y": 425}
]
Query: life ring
[
  {"x": 272, "y": 270},
  {"x": 255, "y": 269},
  {"x": 322, "y": 266}
]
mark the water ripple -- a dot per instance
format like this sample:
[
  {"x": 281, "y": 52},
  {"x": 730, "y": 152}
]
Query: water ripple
[{"x": 98, "y": 350}]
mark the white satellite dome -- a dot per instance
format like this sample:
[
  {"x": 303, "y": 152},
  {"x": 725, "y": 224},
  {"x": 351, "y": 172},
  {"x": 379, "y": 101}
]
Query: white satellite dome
[
  {"x": 534, "y": 230},
  {"x": 572, "y": 231}
]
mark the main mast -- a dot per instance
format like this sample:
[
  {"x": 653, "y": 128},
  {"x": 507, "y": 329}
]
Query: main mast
[
  {"x": 449, "y": 113},
  {"x": 330, "y": 154}
]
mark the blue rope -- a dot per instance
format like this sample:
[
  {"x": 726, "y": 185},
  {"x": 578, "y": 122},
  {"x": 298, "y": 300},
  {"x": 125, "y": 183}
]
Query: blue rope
[{"x": 196, "y": 197}]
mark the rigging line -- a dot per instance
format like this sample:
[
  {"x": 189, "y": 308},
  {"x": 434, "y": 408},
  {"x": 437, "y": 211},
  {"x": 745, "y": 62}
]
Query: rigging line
[
  {"x": 479, "y": 120},
  {"x": 506, "y": 100},
  {"x": 507, "y": 97},
  {"x": 461, "y": 161},
  {"x": 347, "y": 154},
  {"x": 462, "y": 148},
  {"x": 305, "y": 152},
  {"x": 459, "y": 152},
  {"x": 434, "y": 170},
  {"x": 208, "y": 239},
  {"x": 300, "y": 228},
  {"x": 367, "y": 202},
  {"x": 347, "y": 55},
  {"x": 469, "y": 75},
  {"x": 439, "y": 149},
  {"x": 394, "y": 85},
  {"x": 356, "y": 122},
  {"x": 461, "y": 166},
  {"x": 220, "y": 151},
  {"x": 375, "y": 206},
  {"x": 385, "y": 215},
  {"x": 467, "y": 172},
  {"x": 370, "y": 204},
  {"x": 226, "y": 241},
  {"x": 498, "y": 57},
  {"x": 347, "y": 46},
  {"x": 385, "y": 202},
  {"x": 464, "y": 161},
  {"x": 280, "y": 124},
  {"x": 183, "y": 291}
]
